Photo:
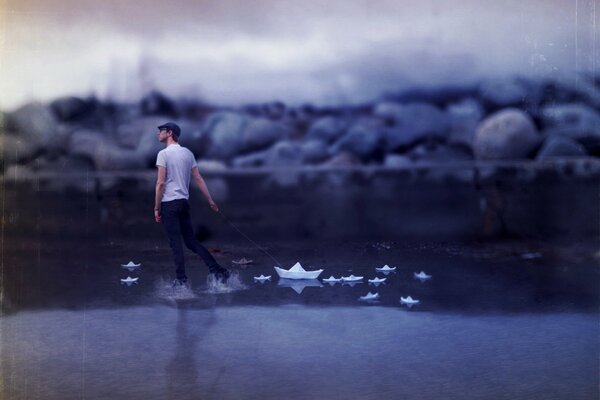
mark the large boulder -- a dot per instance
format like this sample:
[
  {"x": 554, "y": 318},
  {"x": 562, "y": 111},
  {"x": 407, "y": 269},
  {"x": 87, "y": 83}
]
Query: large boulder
[
  {"x": 560, "y": 146},
  {"x": 227, "y": 134},
  {"x": 506, "y": 134},
  {"x": 156, "y": 103},
  {"x": 71, "y": 108},
  {"x": 500, "y": 93},
  {"x": 363, "y": 139},
  {"x": 327, "y": 129},
  {"x": 464, "y": 117},
  {"x": 411, "y": 123},
  {"x": 283, "y": 154},
  {"x": 35, "y": 124},
  {"x": 575, "y": 121},
  {"x": 14, "y": 150},
  {"x": 314, "y": 151},
  {"x": 105, "y": 155}
]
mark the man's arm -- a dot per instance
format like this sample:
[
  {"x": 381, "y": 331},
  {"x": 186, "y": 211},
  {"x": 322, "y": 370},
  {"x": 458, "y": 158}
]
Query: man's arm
[
  {"x": 160, "y": 190},
  {"x": 203, "y": 188}
]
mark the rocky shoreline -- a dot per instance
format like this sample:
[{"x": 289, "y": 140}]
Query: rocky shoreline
[{"x": 506, "y": 119}]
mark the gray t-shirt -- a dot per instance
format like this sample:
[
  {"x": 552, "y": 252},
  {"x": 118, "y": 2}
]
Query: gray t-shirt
[{"x": 179, "y": 162}]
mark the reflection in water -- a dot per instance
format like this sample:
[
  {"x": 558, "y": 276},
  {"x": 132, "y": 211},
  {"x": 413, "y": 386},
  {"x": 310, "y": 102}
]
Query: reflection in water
[{"x": 298, "y": 285}]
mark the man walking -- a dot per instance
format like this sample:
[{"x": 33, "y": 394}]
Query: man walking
[{"x": 176, "y": 165}]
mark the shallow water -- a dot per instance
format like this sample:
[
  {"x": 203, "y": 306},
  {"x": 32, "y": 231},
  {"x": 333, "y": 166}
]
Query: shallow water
[{"x": 492, "y": 323}]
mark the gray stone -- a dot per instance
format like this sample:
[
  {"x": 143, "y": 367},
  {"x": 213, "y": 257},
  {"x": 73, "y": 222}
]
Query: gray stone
[
  {"x": 314, "y": 151},
  {"x": 223, "y": 134},
  {"x": 506, "y": 134},
  {"x": 261, "y": 133},
  {"x": 105, "y": 155},
  {"x": 363, "y": 139},
  {"x": 411, "y": 123},
  {"x": 503, "y": 92},
  {"x": 464, "y": 117},
  {"x": 70, "y": 108},
  {"x": 13, "y": 149},
  {"x": 397, "y": 161},
  {"x": 36, "y": 125},
  {"x": 343, "y": 159},
  {"x": 284, "y": 154},
  {"x": 575, "y": 121},
  {"x": 251, "y": 160},
  {"x": 156, "y": 103},
  {"x": 560, "y": 146},
  {"x": 211, "y": 165},
  {"x": 327, "y": 129}
]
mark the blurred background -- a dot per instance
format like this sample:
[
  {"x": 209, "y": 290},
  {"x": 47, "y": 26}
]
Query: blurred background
[{"x": 488, "y": 109}]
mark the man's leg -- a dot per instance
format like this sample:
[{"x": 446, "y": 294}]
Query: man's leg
[
  {"x": 170, "y": 217},
  {"x": 187, "y": 232}
]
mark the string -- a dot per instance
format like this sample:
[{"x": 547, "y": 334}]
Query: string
[{"x": 246, "y": 236}]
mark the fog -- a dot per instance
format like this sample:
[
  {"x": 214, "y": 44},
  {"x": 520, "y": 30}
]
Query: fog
[{"x": 325, "y": 52}]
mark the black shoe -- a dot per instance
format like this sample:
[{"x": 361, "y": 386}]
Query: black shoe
[{"x": 222, "y": 275}]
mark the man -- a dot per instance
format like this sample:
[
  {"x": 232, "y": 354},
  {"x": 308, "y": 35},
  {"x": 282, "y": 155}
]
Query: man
[{"x": 176, "y": 165}]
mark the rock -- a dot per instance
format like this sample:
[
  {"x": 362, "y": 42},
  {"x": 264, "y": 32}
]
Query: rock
[
  {"x": 363, "y": 139},
  {"x": 36, "y": 125},
  {"x": 261, "y": 133},
  {"x": 211, "y": 165},
  {"x": 506, "y": 134},
  {"x": 343, "y": 159},
  {"x": 71, "y": 108},
  {"x": 223, "y": 134},
  {"x": 314, "y": 151},
  {"x": 397, "y": 161},
  {"x": 327, "y": 129},
  {"x": 14, "y": 150},
  {"x": 105, "y": 156},
  {"x": 574, "y": 121},
  {"x": 441, "y": 153},
  {"x": 571, "y": 89},
  {"x": 500, "y": 93},
  {"x": 411, "y": 123},
  {"x": 251, "y": 160},
  {"x": 156, "y": 103},
  {"x": 463, "y": 119},
  {"x": 284, "y": 154},
  {"x": 560, "y": 146}
]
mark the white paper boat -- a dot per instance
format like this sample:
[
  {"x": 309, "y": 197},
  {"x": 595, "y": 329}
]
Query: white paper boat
[
  {"x": 297, "y": 272},
  {"x": 129, "y": 280},
  {"x": 386, "y": 268},
  {"x": 331, "y": 279},
  {"x": 242, "y": 261},
  {"x": 298, "y": 285},
  {"x": 377, "y": 280},
  {"x": 422, "y": 276},
  {"x": 130, "y": 266},
  {"x": 531, "y": 256},
  {"x": 352, "y": 278},
  {"x": 409, "y": 301},
  {"x": 262, "y": 278},
  {"x": 369, "y": 297}
]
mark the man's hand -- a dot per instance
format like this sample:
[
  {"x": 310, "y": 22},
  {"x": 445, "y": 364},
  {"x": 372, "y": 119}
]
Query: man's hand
[
  {"x": 157, "y": 216},
  {"x": 213, "y": 205}
]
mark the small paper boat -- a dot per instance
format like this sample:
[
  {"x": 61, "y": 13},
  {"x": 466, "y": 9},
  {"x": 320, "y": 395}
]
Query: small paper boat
[
  {"x": 422, "y": 276},
  {"x": 262, "y": 278},
  {"x": 130, "y": 266},
  {"x": 531, "y": 256},
  {"x": 369, "y": 297},
  {"x": 377, "y": 281},
  {"x": 297, "y": 272},
  {"x": 129, "y": 280},
  {"x": 242, "y": 261},
  {"x": 352, "y": 278},
  {"x": 409, "y": 301},
  {"x": 331, "y": 279},
  {"x": 386, "y": 268},
  {"x": 298, "y": 285}
]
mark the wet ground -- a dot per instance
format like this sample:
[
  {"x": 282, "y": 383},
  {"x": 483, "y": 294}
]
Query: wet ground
[{"x": 497, "y": 320}]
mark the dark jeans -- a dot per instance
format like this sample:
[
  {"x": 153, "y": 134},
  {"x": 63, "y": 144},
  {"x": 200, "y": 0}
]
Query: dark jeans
[{"x": 175, "y": 216}]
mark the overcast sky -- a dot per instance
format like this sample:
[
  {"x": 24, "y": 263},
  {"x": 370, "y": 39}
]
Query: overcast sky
[{"x": 232, "y": 51}]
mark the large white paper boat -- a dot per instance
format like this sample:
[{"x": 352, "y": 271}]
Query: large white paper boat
[
  {"x": 129, "y": 280},
  {"x": 297, "y": 272},
  {"x": 409, "y": 301},
  {"x": 422, "y": 276},
  {"x": 130, "y": 266}
]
